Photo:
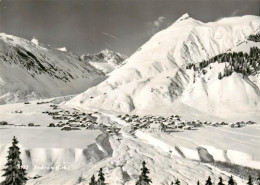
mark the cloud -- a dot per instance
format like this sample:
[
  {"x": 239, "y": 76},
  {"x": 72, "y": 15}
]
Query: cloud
[
  {"x": 159, "y": 21},
  {"x": 157, "y": 25},
  {"x": 109, "y": 35},
  {"x": 235, "y": 12}
]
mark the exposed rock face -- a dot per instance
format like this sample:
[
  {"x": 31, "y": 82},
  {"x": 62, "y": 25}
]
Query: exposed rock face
[
  {"x": 106, "y": 60},
  {"x": 205, "y": 156}
]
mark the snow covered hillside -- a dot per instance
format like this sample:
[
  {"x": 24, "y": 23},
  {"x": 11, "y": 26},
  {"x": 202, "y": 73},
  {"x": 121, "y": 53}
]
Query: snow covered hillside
[
  {"x": 31, "y": 70},
  {"x": 63, "y": 150},
  {"x": 106, "y": 60},
  {"x": 53, "y": 156},
  {"x": 155, "y": 79}
]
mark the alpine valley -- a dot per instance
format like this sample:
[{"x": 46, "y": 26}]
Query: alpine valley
[{"x": 31, "y": 70}]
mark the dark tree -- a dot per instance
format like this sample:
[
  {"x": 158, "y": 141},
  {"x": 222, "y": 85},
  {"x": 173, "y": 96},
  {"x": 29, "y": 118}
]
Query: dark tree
[
  {"x": 93, "y": 181},
  {"x": 258, "y": 180},
  {"x": 177, "y": 182},
  {"x": 219, "y": 76},
  {"x": 14, "y": 173},
  {"x": 208, "y": 182},
  {"x": 220, "y": 181},
  {"x": 231, "y": 181},
  {"x": 80, "y": 179},
  {"x": 101, "y": 177},
  {"x": 250, "y": 181},
  {"x": 255, "y": 38},
  {"x": 143, "y": 178}
]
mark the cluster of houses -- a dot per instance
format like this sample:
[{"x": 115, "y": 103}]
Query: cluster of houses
[
  {"x": 241, "y": 124},
  {"x": 171, "y": 123},
  {"x": 159, "y": 123},
  {"x": 110, "y": 127},
  {"x": 39, "y": 103},
  {"x": 21, "y": 125},
  {"x": 71, "y": 120},
  {"x": 3, "y": 123},
  {"x": 76, "y": 120},
  {"x": 33, "y": 125}
]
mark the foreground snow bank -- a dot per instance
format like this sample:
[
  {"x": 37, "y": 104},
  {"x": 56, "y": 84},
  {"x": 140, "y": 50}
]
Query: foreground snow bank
[
  {"x": 237, "y": 146},
  {"x": 48, "y": 150},
  {"x": 123, "y": 167}
]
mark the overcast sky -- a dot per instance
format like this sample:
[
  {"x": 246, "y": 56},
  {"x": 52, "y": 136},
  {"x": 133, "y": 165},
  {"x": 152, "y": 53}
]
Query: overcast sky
[{"x": 88, "y": 26}]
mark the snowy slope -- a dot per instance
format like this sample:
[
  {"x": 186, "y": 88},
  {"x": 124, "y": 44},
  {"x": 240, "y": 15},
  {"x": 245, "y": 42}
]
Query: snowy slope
[
  {"x": 106, "y": 60},
  {"x": 218, "y": 141},
  {"x": 30, "y": 70},
  {"x": 79, "y": 153},
  {"x": 155, "y": 80},
  {"x": 123, "y": 167},
  {"x": 63, "y": 149}
]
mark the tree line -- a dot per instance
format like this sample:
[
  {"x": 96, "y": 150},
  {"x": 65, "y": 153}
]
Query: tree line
[
  {"x": 15, "y": 174},
  {"x": 239, "y": 62},
  {"x": 144, "y": 179},
  {"x": 255, "y": 38}
]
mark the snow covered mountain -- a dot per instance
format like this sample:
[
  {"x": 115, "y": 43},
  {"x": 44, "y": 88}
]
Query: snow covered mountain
[
  {"x": 30, "y": 70},
  {"x": 155, "y": 79},
  {"x": 106, "y": 60}
]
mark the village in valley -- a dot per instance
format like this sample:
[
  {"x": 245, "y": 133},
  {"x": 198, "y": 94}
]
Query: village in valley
[
  {"x": 107, "y": 132},
  {"x": 114, "y": 92},
  {"x": 69, "y": 120}
]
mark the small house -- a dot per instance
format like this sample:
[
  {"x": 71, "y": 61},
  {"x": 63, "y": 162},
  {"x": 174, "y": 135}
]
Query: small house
[
  {"x": 31, "y": 125},
  {"x": 67, "y": 128}
]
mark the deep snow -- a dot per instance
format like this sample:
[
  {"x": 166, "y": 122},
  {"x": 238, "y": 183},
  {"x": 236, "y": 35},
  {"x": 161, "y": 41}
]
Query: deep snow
[
  {"x": 154, "y": 79},
  {"x": 77, "y": 153}
]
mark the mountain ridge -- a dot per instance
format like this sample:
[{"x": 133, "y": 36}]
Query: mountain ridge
[
  {"x": 31, "y": 70},
  {"x": 154, "y": 79},
  {"x": 105, "y": 60}
]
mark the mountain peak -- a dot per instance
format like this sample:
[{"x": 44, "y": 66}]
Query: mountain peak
[
  {"x": 63, "y": 49},
  {"x": 183, "y": 17},
  {"x": 155, "y": 80},
  {"x": 106, "y": 51},
  {"x": 35, "y": 41},
  {"x": 106, "y": 60}
]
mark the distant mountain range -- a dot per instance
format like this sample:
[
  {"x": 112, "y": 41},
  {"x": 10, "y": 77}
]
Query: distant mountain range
[
  {"x": 31, "y": 70},
  {"x": 105, "y": 61}
]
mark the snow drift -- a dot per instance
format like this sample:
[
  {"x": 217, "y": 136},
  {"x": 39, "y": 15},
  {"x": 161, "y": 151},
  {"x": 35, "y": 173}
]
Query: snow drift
[
  {"x": 42, "y": 161},
  {"x": 155, "y": 80}
]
